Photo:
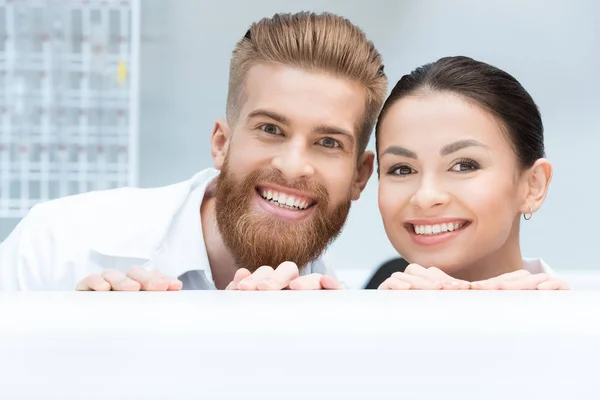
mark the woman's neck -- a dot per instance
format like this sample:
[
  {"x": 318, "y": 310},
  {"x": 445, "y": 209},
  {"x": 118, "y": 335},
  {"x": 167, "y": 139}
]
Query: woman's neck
[{"x": 506, "y": 259}]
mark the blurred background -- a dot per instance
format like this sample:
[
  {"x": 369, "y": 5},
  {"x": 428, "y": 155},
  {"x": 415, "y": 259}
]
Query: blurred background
[{"x": 100, "y": 94}]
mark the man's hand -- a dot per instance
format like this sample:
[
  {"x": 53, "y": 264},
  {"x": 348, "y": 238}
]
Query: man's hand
[
  {"x": 416, "y": 277},
  {"x": 285, "y": 276},
  {"x": 136, "y": 279},
  {"x": 521, "y": 280}
]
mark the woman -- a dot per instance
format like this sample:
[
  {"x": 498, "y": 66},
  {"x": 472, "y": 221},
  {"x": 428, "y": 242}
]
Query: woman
[{"x": 460, "y": 150}]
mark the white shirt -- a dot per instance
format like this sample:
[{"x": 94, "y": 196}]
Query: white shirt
[
  {"x": 59, "y": 242},
  {"x": 538, "y": 266}
]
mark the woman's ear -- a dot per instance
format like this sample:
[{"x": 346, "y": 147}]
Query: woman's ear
[{"x": 537, "y": 181}]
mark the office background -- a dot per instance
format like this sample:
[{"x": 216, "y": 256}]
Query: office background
[{"x": 552, "y": 47}]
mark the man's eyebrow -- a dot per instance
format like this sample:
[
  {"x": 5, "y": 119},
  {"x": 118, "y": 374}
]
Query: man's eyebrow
[{"x": 269, "y": 114}]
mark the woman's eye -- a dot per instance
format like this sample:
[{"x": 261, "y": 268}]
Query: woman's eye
[
  {"x": 465, "y": 166},
  {"x": 402, "y": 170},
  {"x": 271, "y": 129}
]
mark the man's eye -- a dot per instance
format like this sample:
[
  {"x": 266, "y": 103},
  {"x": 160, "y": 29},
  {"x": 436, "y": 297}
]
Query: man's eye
[
  {"x": 270, "y": 129},
  {"x": 329, "y": 143}
]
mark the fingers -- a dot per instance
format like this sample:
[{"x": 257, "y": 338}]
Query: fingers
[
  {"x": 448, "y": 282},
  {"x": 496, "y": 282},
  {"x": 119, "y": 282},
  {"x": 435, "y": 274},
  {"x": 307, "y": 282},
  {"x": 153, "y": 280},
  {"x": 394, "y": 283},
  {"x": 416, "y": 277},
  {"x": 280, "y": 278},
  {"x": 93, "y": 283},
  {"x": 137, "y": 278},
  {"x": 530, "y": 282},
  {"x": 267, "y": 278},
  {"x": 553, "y": 284},
  {"x": 240, "y": 274},
  {"x": 417, "y": 282},
  {"x": 249, "y": 283},
  {"x": 329, "y": 283},
  {"x": 416, "y": 270},
  {"x": 285, "y": 276},
  {"x": 148, "y": 280},
  {"x": 518, "y": 280}
]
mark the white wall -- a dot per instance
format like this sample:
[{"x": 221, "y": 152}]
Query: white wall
[{"x": 550, "y": 46}]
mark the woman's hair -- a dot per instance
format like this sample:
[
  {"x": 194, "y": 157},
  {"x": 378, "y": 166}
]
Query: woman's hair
[{"x": 487, "y": 86}]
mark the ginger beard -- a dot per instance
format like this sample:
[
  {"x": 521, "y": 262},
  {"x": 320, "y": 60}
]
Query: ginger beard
[{"x": 256, "y": 238}]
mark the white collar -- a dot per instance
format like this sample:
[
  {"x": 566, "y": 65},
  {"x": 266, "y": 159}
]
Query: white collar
[{"x": 537, "y": 265}]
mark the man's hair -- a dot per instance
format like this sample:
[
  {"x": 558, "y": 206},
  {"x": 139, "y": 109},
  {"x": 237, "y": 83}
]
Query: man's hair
[{"x": 314, "y": 42}]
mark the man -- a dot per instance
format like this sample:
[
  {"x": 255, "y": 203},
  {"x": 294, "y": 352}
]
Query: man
[{"x": 304, "y": 93}]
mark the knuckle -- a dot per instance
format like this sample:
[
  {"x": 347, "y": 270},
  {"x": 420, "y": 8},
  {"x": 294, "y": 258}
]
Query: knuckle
[
  {"x": 414, "y": 269},
  {"x": 411, "y": 268}
]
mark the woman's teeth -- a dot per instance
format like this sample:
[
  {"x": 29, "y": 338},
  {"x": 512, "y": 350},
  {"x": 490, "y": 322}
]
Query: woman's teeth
[{"x": 438, "y": 228}]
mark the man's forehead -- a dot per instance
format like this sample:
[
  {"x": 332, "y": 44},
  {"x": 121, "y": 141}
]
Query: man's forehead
[{"x": 295, "y": 96}]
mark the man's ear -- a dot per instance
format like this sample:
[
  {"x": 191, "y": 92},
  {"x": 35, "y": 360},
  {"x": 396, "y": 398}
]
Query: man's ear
[
  {"x": 219, "y": 142},
  {"x": 537, "y": 181},
  {"x": 364, "y": 170}
]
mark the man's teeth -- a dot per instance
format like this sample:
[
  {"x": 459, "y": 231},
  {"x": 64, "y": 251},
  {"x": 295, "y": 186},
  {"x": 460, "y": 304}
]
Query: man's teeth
[
  {"x": 284, "y": 201},
  {"x": 437, "y": 229}
]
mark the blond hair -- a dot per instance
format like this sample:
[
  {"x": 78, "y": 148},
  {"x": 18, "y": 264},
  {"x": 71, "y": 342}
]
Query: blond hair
[{"x": 314, "y": 42}]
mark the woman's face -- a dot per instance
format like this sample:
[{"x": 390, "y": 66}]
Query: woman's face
[{"x": 450, "y": 191}]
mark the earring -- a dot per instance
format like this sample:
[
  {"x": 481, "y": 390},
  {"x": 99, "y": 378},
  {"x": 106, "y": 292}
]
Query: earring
[{"x": 527, "y": 216}]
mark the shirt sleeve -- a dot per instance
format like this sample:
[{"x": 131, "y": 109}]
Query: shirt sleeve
[{"x": 25, "y": 252}]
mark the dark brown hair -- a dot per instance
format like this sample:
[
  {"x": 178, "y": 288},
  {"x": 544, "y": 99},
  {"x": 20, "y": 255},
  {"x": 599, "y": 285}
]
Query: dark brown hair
[{"x": 487, "y": 86}]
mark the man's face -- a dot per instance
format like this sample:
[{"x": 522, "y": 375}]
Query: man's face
[{"x": 289, "y": 167}]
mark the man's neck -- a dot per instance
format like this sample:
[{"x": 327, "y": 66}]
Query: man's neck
[{"x": 222, "y": 264}]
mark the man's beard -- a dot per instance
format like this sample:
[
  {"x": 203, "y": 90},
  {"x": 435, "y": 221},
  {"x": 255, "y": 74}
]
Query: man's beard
[{"x": 256, "y": 239}]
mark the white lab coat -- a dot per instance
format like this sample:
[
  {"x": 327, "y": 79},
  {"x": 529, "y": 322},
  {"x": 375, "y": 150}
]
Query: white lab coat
[{"x": 61, "y": 241}]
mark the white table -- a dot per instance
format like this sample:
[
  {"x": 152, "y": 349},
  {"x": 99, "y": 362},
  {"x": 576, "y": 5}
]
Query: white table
[{"x": 300, "y": 345}]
